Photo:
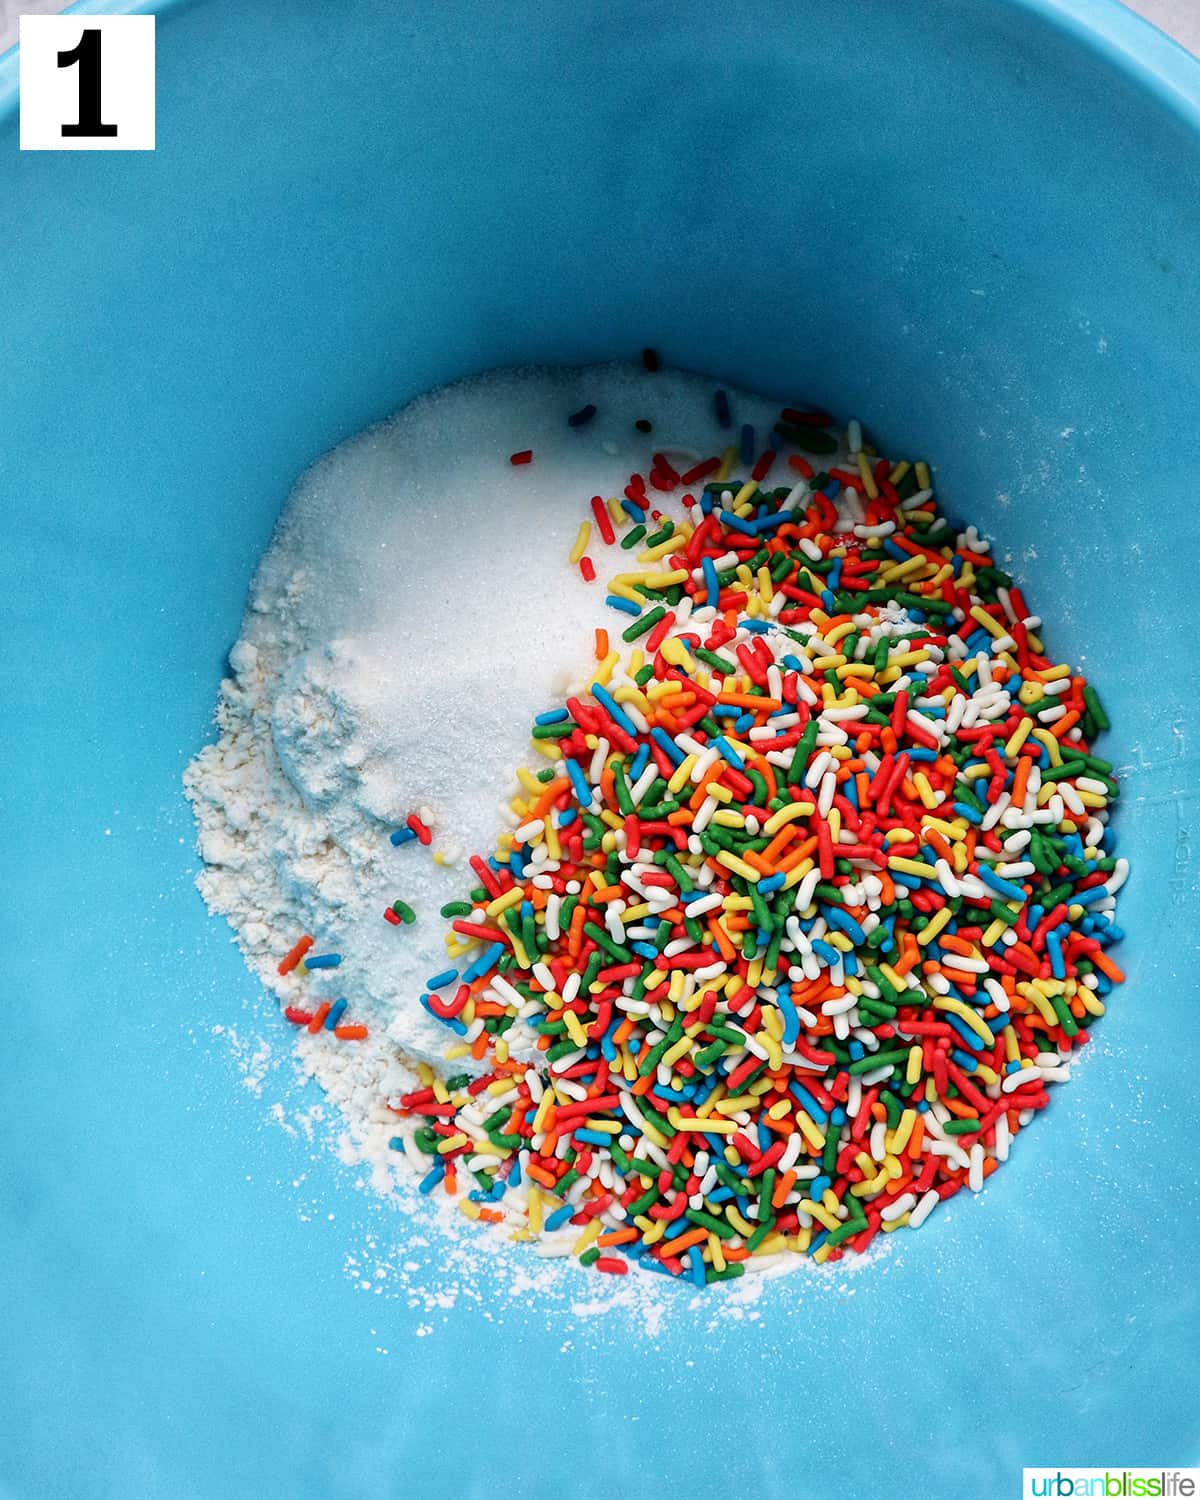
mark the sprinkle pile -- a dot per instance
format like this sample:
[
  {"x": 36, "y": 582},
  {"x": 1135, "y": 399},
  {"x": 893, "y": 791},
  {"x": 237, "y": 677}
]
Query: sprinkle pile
[{"x": 811, "y": 902}]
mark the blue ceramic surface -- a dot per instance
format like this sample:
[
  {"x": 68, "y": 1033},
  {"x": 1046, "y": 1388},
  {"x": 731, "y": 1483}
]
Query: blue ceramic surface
[{"x": 977, "y": 226}]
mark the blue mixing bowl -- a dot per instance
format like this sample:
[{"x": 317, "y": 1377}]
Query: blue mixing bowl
[{"x": 976, "y": 225}]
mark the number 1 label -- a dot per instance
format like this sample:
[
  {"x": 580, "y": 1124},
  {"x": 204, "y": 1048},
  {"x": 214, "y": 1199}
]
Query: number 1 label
[{"x": 87, "y": 83}]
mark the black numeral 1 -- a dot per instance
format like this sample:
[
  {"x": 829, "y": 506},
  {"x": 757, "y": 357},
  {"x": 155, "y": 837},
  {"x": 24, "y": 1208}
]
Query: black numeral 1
[{"x": 86, "y": 53}]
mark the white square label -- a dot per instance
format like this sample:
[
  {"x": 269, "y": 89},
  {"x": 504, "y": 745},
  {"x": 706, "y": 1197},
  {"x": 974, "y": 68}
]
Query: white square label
[{"x": 87, "y": 83}]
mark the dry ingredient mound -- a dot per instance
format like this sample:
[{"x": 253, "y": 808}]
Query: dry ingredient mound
[{"x": 412, "y": 614}]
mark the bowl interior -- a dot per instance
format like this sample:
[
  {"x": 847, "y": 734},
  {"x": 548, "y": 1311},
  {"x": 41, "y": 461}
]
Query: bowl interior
[{"x": 973, "y": 226}]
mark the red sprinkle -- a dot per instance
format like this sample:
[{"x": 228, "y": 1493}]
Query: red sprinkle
[
  {"x": 422, "y": 833},
  {"x": 588, "y": 568},
  {"x": 603, "y": 520},
  {"x": 612, "y": 1265},
  {"x": 524, "y": 457}
]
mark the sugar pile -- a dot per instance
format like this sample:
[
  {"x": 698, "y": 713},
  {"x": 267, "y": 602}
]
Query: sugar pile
[{"x": 413, "y": 613}]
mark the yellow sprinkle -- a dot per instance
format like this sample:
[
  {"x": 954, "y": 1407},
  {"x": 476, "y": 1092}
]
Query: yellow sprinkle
[
  {"x": 739, "y": 1102},
  {"x": 452, "y": 1142},
  {"x": 965, "y": 1013},
  {"x": 680, "y": 1049},
  {"x": 921, "y": 469},
  {"x": 903, "y": 569},
  {"x": 694, "y": 1122},
  {"x": 868, "y": 479},
  {"x": 809, "y": 1130},
  {"x": 535, "y": 1210},
  {"x": 652, "y": 554},
  {"x": 981, "y": 617},
  {"x": 679, "y": 777},
  {"x": 735, "y": 1218},
  {"x": 732, "y": 862},
  {"x": 924, "y": 790},
  {"x": 593, "y": 1230},
  {"x": 582, "y": 538},
  {"x": 1018, "y": 737},
  {"x": 748, "y": 489},
  {"x": 818, "y": 1212},
  {"x": 468, "y": 1209},
  {"x": 1046, "y": 739},
  {"x": 677, "y": 654}
]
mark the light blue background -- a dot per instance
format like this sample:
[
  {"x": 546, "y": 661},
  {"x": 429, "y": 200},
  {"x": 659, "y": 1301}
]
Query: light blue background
[{"x": 975, "y": 225}]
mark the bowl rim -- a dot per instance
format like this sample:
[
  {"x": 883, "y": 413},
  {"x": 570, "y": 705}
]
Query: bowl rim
[{"x": 1148, "y": 58}]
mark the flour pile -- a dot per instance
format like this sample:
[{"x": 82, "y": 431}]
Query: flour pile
[{"x": 413, "y": 613}]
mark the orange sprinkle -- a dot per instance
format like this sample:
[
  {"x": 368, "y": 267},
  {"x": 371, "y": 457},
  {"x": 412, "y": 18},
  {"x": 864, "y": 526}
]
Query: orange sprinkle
[{"x": 286, "y": 965}]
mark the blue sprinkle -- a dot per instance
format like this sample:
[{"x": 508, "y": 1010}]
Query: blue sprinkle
[
  {"x": 579, "y": 781},
  {"x": 771, "y": 883},
  {"x": 736, "y": 523},
  {"x": 613, "y": 708},
  {"x": 791, "y": 1018},
  {"x": 627, "y": 606},
  {"x": 1006, "y": 888},
  {"x": 1054, "y": 949},
  {"x": 402, "y": 836},
  {"x": 487, "y": 960},
  {"x": 668, "y": 746},
  {"x": 323, "y": 961},
  {"x": 429, "y": 1183},
  {"x": 552, "y": 716},
  {"x": 807, "y": 1099},
  {"x": 697, "y": 1264},
  {"x": 712, "y": 587},
  {"x": 559, "y": 1217},
  {"x": 721, "y": 408},
  {"x": 842, "y": 921},
  {"x": 336, "y": 1011},
  {"x": 729, "y": 753},
  {"x": 582, "y": 416}
]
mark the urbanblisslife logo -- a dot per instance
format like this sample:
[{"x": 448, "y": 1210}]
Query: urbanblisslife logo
[{"x": 1112, "y": 1484}]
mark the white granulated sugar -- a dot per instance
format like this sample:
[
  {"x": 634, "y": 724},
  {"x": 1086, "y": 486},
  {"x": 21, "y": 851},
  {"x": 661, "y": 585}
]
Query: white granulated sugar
[{"x": 413, "y": 613}]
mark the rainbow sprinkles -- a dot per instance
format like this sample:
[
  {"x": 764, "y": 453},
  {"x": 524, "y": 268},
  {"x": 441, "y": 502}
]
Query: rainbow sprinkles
[{"x": 810, "y": 901}]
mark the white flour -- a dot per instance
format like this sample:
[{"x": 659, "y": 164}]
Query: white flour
[{"x": 413, "y": 613}]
